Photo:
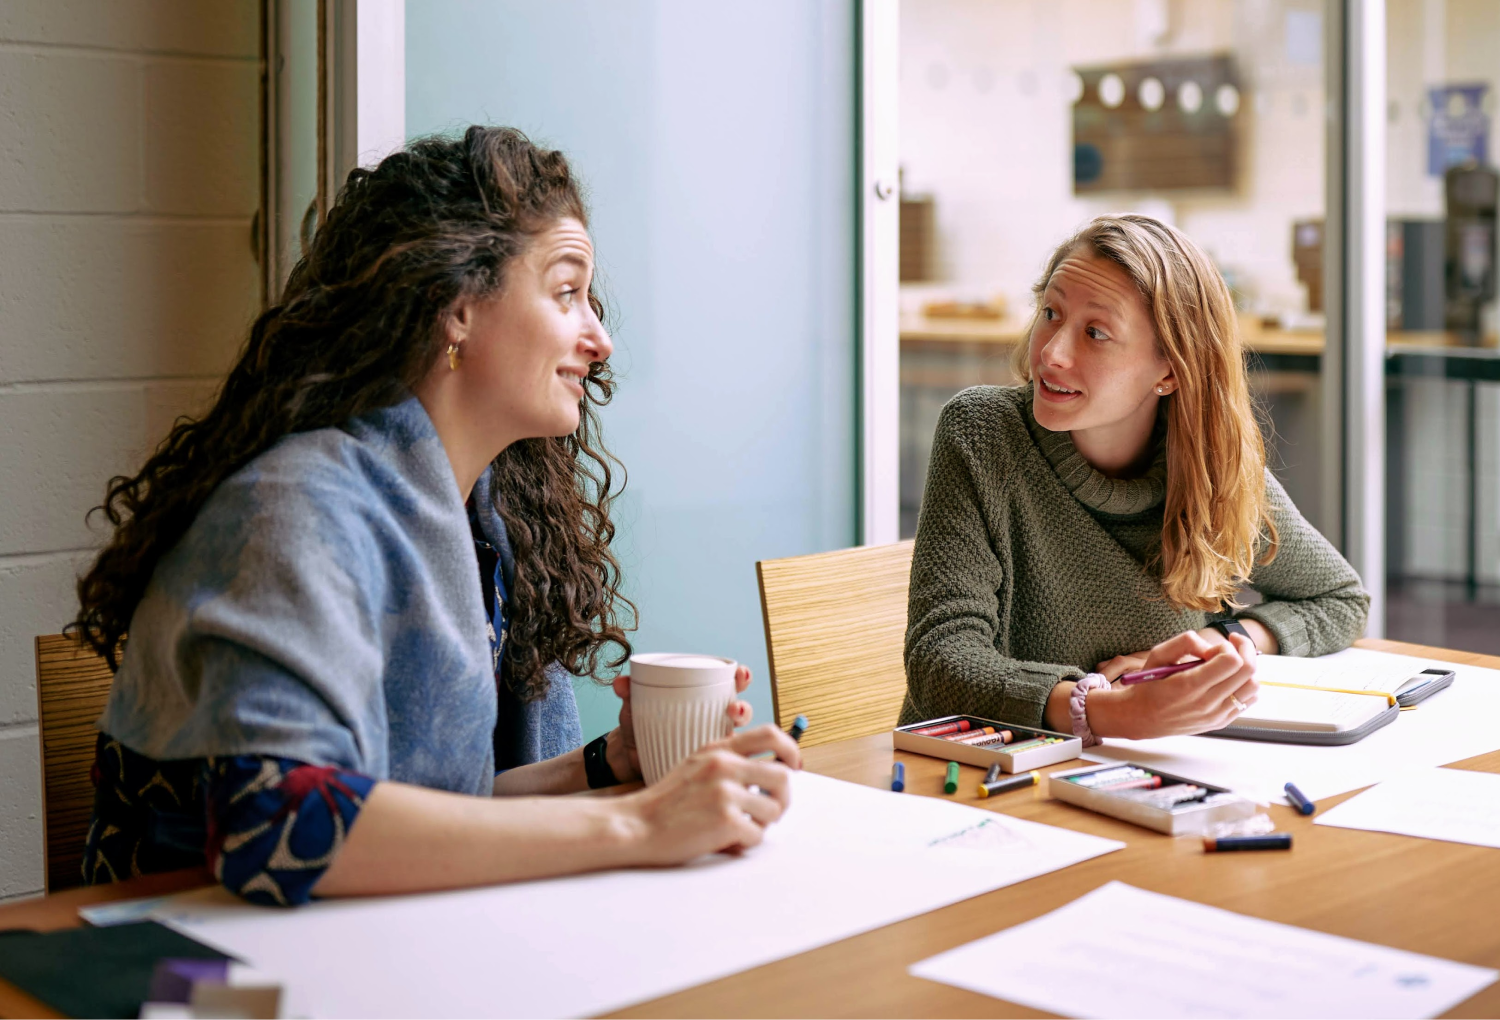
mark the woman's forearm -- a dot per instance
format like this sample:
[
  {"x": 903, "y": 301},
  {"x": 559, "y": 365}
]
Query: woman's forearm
[
  {"x": 563, "y": 774},
  {"x": 566, "y": 774},
  {"x": 410, "y": 839}
]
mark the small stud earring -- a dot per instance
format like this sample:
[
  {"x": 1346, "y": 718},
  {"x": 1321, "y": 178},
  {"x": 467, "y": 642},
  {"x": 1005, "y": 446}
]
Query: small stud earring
[
  {"x": 1161, "y": 391},
  {"x": 453, "y": 357}
]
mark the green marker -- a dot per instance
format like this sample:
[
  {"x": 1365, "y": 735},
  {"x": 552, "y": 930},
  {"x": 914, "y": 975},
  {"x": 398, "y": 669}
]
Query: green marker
[
  {"x": 950, "y": 784},
  {"x": 1034, "y": 742}
]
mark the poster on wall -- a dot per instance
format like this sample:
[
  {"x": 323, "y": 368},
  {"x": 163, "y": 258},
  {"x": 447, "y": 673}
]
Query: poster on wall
[{"x": 1458, "y": 129}]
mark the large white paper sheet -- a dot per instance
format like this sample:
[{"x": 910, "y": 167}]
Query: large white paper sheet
[
  {"x": 844, "y": 859},
  {"x": 1449, "y": 804},
  {"x": 1444, "y": 728},
  {"x": 1124, "y": 952}
]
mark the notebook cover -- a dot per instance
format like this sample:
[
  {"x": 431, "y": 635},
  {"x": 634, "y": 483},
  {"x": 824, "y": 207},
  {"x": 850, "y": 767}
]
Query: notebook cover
[
  {"x": 1320, "y": 737},
  {"x": 88, "y": 972}
]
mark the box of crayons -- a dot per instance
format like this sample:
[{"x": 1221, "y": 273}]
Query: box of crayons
[
  {"x": 983, "y": 742},
  {"x": 1148, "y": 797}
]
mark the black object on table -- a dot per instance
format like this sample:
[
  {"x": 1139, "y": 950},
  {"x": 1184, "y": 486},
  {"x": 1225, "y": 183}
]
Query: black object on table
[{"x": 88, "y": 972}]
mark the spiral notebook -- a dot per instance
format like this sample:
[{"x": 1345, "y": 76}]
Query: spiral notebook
[{"x": 1313, "y": 701}]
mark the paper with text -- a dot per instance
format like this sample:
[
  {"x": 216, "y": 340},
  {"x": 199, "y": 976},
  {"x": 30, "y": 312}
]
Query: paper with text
[
  {"x": 1124, "y": 952},
  {"x": 1448, "y": 804},
  {"x": 844, "y": 859},
  {"x": 1373, "y": 671},
  {"x": 1295, "y": 709}
]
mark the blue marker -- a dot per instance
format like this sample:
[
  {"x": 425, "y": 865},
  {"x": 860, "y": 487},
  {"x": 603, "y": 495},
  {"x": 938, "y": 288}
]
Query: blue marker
[
  {"x": 799, "y": 727},
  {"x": 898, "y": 778},
  {"x": 1299, "y": 800}
]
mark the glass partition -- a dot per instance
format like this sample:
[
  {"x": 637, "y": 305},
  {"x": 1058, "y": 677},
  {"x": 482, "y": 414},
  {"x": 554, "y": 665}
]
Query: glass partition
[
  {"x": 1442, "y": 363},
  {"x": 1022, "y": 120}
]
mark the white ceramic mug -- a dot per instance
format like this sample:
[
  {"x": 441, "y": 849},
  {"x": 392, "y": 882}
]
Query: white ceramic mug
[{"x": 678, "y": 703}]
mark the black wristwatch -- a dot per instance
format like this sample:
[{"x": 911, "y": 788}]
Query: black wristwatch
[
  {"x": 1231, "y": 626},
  {"x": 596, "y": 765}
]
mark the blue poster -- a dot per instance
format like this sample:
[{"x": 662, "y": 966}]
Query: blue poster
[{"x": 1460, "y": 126}]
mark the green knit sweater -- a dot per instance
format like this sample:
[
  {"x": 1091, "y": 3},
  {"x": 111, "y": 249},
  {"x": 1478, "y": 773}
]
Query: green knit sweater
[{"x": 1030, "y": 568}]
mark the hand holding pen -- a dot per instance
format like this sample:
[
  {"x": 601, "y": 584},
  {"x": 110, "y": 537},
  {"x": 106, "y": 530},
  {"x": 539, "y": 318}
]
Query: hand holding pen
[{"x": 1170, "y": 696}]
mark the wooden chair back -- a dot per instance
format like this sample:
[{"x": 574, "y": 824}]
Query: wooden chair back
[
  {"x": 72, "y": 685},
  {"x": 835, "y": 630}
]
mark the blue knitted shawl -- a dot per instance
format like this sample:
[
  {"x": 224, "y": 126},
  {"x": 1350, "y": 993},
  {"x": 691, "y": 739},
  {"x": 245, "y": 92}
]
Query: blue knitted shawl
[{"x": 325, "y": 606}]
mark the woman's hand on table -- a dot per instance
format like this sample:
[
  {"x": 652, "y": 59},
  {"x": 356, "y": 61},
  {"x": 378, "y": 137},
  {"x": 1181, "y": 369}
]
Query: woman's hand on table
[
  {"x": 718, "y": 799},
  {"x": 620, "y": 749},
  {"x": 1198, "y": 700}
]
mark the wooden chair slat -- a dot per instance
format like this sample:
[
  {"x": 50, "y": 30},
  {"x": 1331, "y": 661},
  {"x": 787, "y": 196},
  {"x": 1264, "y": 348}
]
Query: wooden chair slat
[
  {"x": 72, "y": 685},
  {"x": 835, "y": 630}
]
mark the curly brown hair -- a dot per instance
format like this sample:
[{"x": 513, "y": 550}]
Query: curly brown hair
[{"x": 360, "y": 323}]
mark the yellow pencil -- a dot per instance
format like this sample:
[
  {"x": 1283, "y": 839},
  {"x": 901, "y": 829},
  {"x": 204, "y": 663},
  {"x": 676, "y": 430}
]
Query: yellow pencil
[{"x": 1390, "y": 698}]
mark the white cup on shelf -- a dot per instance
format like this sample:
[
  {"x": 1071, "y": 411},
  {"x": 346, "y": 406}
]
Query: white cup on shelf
[{"x": 678, "y": 703}]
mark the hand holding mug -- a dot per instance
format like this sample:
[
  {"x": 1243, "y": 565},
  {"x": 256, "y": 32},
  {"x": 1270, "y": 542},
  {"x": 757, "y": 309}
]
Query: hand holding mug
[{"x": 622, "y": 750}]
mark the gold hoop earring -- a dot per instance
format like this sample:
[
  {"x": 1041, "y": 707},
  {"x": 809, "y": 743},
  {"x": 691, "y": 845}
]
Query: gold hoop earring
[{"x": 453, "y": 357}]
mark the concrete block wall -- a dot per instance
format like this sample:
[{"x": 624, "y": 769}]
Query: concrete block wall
[{"x": 128, "y": 179}]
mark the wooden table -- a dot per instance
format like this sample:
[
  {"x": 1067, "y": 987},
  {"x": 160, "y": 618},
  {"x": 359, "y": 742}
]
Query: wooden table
[{"x": 1421, "y": 895}]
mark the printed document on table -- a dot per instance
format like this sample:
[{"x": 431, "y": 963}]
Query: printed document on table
[
  {"x": 1448, "y": 804},
  {"x": 843, "y": 860},
  {"x": 1124, "y": 952},
  {"x": 1438, "y": 731}
]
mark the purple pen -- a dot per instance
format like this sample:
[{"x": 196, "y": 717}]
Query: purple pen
[{"x": 1143, "y": 676}]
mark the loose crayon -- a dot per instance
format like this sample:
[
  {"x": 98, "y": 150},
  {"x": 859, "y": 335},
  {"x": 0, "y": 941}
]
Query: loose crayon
[
  {"x": 950, "y": 781},
  {"x": 992, "y": 773},
  {"x": 1000, "y": 786},
  {"x": 1274, "y": 841},
  {"x": 1299, "y": 800},
  {"x": 898, "y": 777}
]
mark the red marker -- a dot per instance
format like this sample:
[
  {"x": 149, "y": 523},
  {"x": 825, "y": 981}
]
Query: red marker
[
  {"x": 978, "y": 736},
  {"x": 938, "y": 731},
  {"x": 1145, "y": 676}
]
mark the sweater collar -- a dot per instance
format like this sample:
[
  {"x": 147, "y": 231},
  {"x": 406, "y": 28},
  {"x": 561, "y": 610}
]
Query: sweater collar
[{"x": 1117, "y": 497}]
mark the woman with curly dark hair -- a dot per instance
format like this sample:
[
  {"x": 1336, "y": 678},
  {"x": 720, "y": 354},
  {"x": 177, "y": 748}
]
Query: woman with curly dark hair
[{"x": 290, "y": 596}]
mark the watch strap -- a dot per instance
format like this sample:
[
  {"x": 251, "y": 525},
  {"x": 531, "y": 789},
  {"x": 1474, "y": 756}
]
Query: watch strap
[
  {"x": 596, "y": 765},
  {"x": 1231, "y": 626}
]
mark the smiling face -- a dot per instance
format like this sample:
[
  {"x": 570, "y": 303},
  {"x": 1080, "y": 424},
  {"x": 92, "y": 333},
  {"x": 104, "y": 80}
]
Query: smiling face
[
  {"x": 525, "y": 351},
  {"x": 1095, "y": 360}
]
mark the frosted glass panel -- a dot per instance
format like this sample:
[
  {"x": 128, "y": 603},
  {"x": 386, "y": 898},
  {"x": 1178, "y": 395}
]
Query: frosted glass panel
[{"x": 717, "y": 143}]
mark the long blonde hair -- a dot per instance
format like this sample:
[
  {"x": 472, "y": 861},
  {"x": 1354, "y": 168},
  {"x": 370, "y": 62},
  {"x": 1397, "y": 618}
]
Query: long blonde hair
[{"x": 1217, "y": 515}]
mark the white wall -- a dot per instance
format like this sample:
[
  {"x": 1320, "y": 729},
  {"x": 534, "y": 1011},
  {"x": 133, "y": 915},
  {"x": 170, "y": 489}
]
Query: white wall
[
  {"x": 717, "y": 145},
  {"x": 986, "y": 127},
  {"x": 128, "y": 165}
]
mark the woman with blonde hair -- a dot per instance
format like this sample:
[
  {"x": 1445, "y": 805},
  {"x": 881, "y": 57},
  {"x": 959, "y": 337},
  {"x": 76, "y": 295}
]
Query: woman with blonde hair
[{"x": 1105, "y": 515}]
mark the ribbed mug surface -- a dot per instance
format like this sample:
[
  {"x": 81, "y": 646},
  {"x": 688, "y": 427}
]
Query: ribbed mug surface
[{"x": 678, "y": 703}]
